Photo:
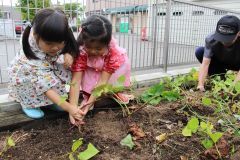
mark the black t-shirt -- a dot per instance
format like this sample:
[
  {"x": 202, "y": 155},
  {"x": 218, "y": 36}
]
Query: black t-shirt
[{"x": 227, "y": 55}]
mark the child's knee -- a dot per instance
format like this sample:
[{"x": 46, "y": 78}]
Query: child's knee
[{"x": 199, "y": 53}]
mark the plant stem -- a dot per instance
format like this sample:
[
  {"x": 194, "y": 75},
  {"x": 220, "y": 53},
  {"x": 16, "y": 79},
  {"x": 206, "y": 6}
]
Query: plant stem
[
  {"x": 144, "y": 105},
  {"x": 220, "y": 156}
]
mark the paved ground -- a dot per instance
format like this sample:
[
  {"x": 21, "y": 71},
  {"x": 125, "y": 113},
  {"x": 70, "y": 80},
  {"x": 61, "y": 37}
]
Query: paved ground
[{"x": 141, "y": 53}]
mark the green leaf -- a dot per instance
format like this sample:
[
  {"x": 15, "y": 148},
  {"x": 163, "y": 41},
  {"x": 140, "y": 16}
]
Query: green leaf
[
  {"x": 187, "y": 132},
  {"x": 191, "y": 127},
  {"x": 90, "y": 152},
  {"x": 207, "y": 143},
  {"x": 145, "y": 97},
  {"x": 203, "y": 125},
  {"x": 228, "y": 82},
  {"x": 155, "y": 101},
  {"x": 193, "y": 124},
  {"x": 105, "y": 88},
  {"x": 71, "y": 156},
  {"x": 207, "y": 127},
  {"x": 237, "y": 87},
  {"x": 62, "y": 99},
  {"x": 193, "y": 70},
  {"x": 170, "y": 95},
  {"x": 237, "y": 133},
  {"x": 10, "y": 142},
  {"x": 77, "y": 144},
  {"x": 121, "y": 79},
  {"x": 127, "y": 141},
  {"x": 155, "y": 90},
  {"x": 215, "y": 136},
  {"x": 116, "y": 89},
  {"x": 217, "y": 89},
  {"x": 206, "y": 101}
]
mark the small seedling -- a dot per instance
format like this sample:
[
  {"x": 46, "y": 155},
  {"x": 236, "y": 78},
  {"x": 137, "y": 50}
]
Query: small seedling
[
  {"x": 90, "y": 152},
  {"x": 9, "y": 143},
  {"x": 127, "y": 141},
  {"x": 111, "y": 90},
  {"x": 210, "y": 137}
]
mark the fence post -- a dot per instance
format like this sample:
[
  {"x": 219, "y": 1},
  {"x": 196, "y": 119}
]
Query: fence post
[
  {"x": 154, "y": 32},
  {"x": 1, "y": 79},
  {"x": 166, "y": 36}
]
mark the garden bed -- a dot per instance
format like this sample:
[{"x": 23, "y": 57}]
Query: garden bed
[
  {"x": 105, "y": 130},
  {"x": 164, "y": 130}
]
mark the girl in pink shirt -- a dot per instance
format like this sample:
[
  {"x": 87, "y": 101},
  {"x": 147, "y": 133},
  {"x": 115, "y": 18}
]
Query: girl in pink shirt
[{"x": 101, "y": 61}]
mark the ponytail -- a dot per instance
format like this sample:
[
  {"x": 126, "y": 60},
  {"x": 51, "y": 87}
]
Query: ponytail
[
  {"x": 26, "y": 47},
  {"x": 71, "y": 45},
  {"x": 80, "y": 39}
]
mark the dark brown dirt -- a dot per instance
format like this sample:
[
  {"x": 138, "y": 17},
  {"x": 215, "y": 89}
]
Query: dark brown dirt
[{"x": 53, "y": 139}]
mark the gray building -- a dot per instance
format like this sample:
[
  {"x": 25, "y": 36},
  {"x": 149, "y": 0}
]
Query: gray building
[
  {"x": 8, "y": 12},
  {"x": 225, "y": 4}
]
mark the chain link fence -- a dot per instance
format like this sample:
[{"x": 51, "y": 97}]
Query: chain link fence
[{"x": 155, "y": 33}]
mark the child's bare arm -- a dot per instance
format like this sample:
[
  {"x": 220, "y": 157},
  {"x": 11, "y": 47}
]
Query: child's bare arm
[
  {"x": 75, "y": 87},
  {"x": 71, "y": 109}
]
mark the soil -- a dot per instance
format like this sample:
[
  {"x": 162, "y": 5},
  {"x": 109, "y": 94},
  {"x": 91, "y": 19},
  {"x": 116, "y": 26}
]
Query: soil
[{"x": 52, "y": 140}]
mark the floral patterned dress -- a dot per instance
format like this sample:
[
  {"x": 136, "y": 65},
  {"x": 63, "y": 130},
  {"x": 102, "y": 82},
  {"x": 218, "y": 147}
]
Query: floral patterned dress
[{"x": 30, "y": 79}]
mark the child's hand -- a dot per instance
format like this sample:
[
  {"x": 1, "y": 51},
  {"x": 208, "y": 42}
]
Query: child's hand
[
  {"x": 75, "y": 122},
  {"x": 76, "y": 114},
  {"x": 201, "y": 88},
  {"x": 86, "y": 107},
  {"x": 68, "y": 60}
]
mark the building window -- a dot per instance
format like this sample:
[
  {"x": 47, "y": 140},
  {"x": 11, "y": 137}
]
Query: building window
[
  {"x": 4, "y": 15},
  {"x": 94, "y": 1},
  {"x": 197, "y": 13},
  {"x": 220, "y": 12},
  {"x": 161, "y": 13},
  {"x": 177, "y": 13}
]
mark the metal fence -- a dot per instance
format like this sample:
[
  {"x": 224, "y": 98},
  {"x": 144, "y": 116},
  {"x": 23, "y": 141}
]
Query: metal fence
[{"x": 155, "y": 34}]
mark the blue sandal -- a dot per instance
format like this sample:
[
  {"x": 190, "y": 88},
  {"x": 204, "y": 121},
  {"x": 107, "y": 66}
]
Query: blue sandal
[{"x": 34, "y": 113}]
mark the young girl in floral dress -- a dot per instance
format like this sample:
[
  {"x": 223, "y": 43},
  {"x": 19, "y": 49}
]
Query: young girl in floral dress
[{"x": 37, "y": 76}]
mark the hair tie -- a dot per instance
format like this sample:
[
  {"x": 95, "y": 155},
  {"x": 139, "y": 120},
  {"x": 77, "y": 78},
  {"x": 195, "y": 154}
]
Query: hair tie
[
  {"x": 30, "y": 25},
  {"x": 84, "y": 28}
]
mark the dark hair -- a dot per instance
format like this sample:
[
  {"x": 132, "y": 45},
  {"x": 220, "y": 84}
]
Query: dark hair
[
  {"x": 50, "y": 25},
  {"x": 95, "y": 28}
]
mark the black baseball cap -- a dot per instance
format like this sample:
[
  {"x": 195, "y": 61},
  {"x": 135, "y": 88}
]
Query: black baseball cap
[{"x": 227, "y": 28}]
